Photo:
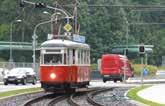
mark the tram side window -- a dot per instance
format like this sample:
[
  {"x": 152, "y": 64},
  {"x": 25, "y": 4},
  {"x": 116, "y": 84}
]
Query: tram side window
[
  {"x": 70, "y": 56},
  {"x": 53, "y": 58},
  {"x": 83, "y": 57},
  {"x": 73, "y": 56},
  {"x": 65, "y": 58},
  {"x": 41, "y": 59},
  {"x": 88, "y": 57},
  {"x": 79, "y": 56}
]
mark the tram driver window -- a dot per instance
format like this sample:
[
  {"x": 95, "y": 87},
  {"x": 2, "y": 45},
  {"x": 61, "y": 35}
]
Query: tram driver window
[{"x": 53, "y": 58}]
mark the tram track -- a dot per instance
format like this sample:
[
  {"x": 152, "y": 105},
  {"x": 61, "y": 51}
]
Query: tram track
[
  {"x": 90, "y": 97},
  {"x": 86, "y": 97},
  {"x": 32, "y": 101},
  {"x": 56, "y": 100}
]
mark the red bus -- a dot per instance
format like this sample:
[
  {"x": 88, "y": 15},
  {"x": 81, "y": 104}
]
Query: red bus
[{"x": 112, "y": 67}]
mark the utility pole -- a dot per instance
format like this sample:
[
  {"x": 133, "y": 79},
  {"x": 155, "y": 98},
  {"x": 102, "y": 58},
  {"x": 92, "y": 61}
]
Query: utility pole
[
  {"x": 142, "y": 70},
  {"x": 23, "y": 25},
  {"x": 75, "y": 16},
  {"x": 126, "y": 40},
  {"x": 142, "y": 54}
]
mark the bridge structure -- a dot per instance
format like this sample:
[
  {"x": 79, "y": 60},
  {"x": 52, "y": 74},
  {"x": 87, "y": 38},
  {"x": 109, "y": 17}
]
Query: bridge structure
[
  {"x": 133, "y": 50},
  {"x": 5, "y": 45}
]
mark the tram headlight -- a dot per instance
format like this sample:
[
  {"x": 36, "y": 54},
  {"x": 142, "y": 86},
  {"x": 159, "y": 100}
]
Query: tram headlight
[{"x": 52, "y": 75}]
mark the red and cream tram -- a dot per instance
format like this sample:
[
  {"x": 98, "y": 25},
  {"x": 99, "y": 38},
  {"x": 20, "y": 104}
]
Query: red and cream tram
[{"x": 64, "y": 65}]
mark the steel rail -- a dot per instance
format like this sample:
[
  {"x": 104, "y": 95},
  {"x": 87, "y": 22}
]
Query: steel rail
[
  {"x": 72, "y": 101},
  {"x": 94, "y": 93},
  {"x": 56, "y": 100},
  {"x": 35, "y": 100}
]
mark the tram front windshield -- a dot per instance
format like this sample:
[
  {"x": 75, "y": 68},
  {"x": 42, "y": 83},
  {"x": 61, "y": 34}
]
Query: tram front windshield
[{"x": 52, "y": 58}]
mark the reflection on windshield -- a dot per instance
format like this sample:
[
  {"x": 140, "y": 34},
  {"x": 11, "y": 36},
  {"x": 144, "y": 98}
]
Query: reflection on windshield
[{"x": 52, "y": 58}]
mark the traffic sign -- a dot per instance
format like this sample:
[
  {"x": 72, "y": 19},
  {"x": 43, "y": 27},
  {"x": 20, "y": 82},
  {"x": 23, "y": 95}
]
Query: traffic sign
[{"x": 67, "y": 27}]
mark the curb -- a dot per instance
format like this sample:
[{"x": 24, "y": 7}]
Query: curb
[{"x": 133, "y": 101}]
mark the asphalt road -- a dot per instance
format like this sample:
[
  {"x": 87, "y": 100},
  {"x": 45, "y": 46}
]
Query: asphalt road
[{"x": 93, "y": 83}]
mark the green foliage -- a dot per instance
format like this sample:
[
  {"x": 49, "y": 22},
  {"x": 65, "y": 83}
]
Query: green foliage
[
  {"x": 103, "y": 27},
  {"x": 4, "y": 28},
  {"x": 94, "y": 67},
  {"x": 138, "y": 67}
]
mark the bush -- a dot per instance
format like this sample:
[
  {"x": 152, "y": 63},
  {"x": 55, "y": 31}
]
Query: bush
[
  {"x": 94, "y": 67},
  {"x": 138, "y": 67}
]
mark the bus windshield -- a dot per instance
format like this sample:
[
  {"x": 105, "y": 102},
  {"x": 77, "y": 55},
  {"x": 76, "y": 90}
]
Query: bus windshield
[{"x": 52, "y": 58}]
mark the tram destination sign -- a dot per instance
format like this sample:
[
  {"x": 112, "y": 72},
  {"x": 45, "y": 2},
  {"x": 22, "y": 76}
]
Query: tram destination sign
[{"x": 78, "y": 38}]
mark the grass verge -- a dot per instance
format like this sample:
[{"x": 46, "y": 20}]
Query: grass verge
[
  {"x": 133, "y": 95},
  {"x": 18, "y": 92}
]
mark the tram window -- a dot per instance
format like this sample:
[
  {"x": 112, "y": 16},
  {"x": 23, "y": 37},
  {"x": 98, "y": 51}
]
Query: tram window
[
  {"x": 82, "y": 57},
  {"x": 88, "y": 57},
  {"x": 53, "y": 58},
  {"x": 65, "y": 58},
  {"x": 41, "y": 59},
  {"x": 73, "y": 56},
  {"x": 68, "y": 55},
  {"x": 79, "y": 56}
]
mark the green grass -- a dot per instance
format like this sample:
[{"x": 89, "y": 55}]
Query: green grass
[
  {"x": 17, "y": 92},
  {"x": 133, "y": 95},
  {"x": 161, "y": 68}
]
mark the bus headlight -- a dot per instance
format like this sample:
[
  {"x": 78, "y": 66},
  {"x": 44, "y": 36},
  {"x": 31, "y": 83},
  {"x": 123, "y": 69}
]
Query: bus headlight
[{"x": 52, "y": 75}]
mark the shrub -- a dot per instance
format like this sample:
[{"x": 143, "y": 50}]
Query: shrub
[
  {"x": 138, "y": 67},
  {"x": 94, "y": 67}
]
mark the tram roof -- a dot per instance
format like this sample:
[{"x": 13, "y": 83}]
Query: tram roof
[{"x": 63, "y": 43}]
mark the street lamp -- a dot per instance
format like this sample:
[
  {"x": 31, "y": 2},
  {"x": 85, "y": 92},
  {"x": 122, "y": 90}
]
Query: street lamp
[
  {"x": 52, "y": 17},
  {"x": 11, "y": 38}
]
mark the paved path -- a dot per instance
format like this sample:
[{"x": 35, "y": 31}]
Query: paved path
[{"x": 155, "y": 93}]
